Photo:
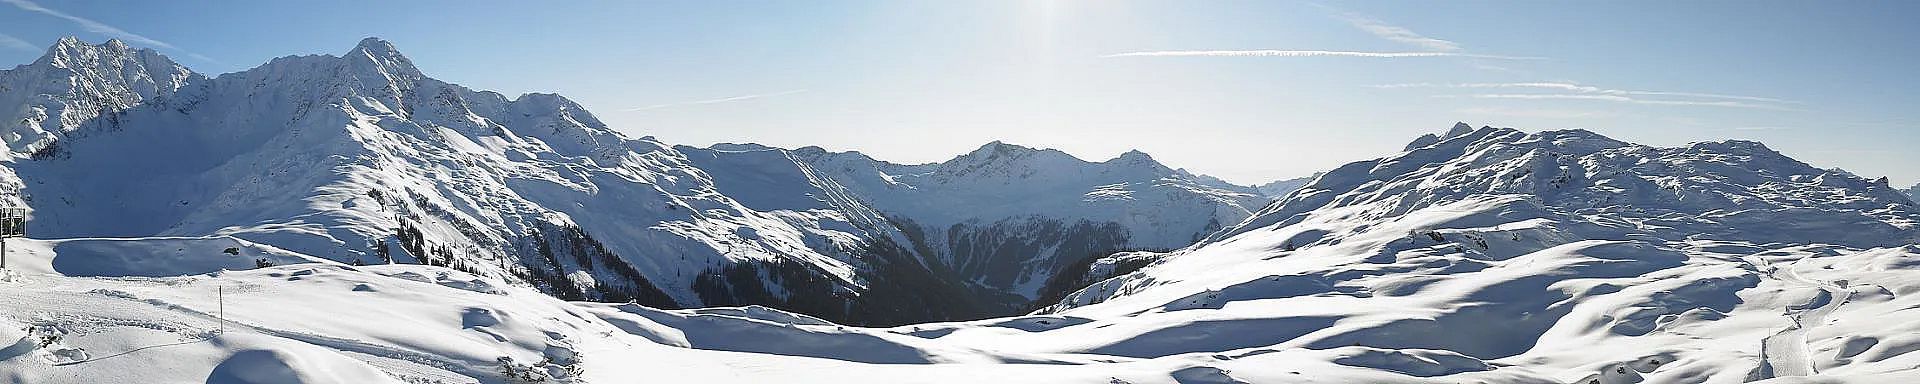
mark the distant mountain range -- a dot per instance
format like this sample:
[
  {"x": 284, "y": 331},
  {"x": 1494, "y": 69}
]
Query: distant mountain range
[{"x": 361, "y": 158}]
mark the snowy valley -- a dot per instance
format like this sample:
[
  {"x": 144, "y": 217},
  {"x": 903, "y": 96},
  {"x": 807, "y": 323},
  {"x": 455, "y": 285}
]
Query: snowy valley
[{"x": 348, "y": 219}]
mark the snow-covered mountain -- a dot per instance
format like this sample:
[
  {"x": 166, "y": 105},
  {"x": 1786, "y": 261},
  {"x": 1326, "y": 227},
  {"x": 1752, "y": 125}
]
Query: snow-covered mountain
[
  {"x": 1003, "y": 219},
  {"x": 1010, "y": 217},
  {"x": 1563, "y": 255},
  {"x": 1484, "y": 255},
  {"x": 1913, "y": 191},
  {"x": 75, "y": 83},
  {"x": 1705, "y": 190},
  {"x": 1280, "y": 188},
  {"x": 240, "y": 229},
  {"x": 1154, "y": 206},
  {"x": 362, "y": 159}
]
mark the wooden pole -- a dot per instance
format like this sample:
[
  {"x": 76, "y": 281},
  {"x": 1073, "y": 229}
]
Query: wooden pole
[{"x": 222, "y": 298}]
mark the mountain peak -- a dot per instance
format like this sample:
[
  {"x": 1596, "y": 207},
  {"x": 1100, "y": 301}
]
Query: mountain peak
[
  {"x": 1459, "y": 128},
  {"x": 741, "y": 147},
  {"x": 1135, "y": 160},
  {"x": 1133, "y": 156},
  {"x": 375, "y": 44},
  {"x": 548, "y": 101},
  {"x": 383, "y": 56},
  {"x": 1739, "y": 147},
  {"x": 70, "y": 48},
  {"x": 76, "y": 81},
  {"x": 69, "y": 42},
  {"x": 999, "y": 147}
]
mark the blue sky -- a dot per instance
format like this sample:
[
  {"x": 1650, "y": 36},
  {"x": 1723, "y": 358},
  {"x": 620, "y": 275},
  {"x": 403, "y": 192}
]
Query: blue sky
[{"x": 1249, "y": 91}]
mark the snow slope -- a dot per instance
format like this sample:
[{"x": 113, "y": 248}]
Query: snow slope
[
  {"x": 1563, "y": 254},
  {"x": 1488, "y": 255},
  {"x": 426, "y": 324}
]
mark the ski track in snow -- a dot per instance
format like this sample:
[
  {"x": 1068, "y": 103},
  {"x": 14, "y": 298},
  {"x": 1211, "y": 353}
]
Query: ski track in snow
[{"x": 1785, "y": 353}]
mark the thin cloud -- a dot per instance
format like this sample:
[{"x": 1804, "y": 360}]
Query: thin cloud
[
  {"x": 1535, "y": 113},
  {"x": 1710, "y": 96},
  {"x": 1396, "y": 33},
  {"x": 102, "y": 28},
  {"x": 1531, "y": 96},
  {"x": 1434, "y": 47},
  {"x": 1561, "y": 86},
  {"x": 1296, "y": 53},
  {"x": 1490, "y": 67},
  {"x": 16, "y": 43},
  {"x": 88, "y": 24},
  {"x": 717, "y": 101},
  {"x": 1616, "y": 98},
  {"x": 1588, "y": 89}
]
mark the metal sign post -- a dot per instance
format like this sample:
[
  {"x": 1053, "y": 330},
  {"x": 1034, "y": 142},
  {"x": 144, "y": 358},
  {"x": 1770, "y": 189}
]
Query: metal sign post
[{"x": 13, "y": 223}]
